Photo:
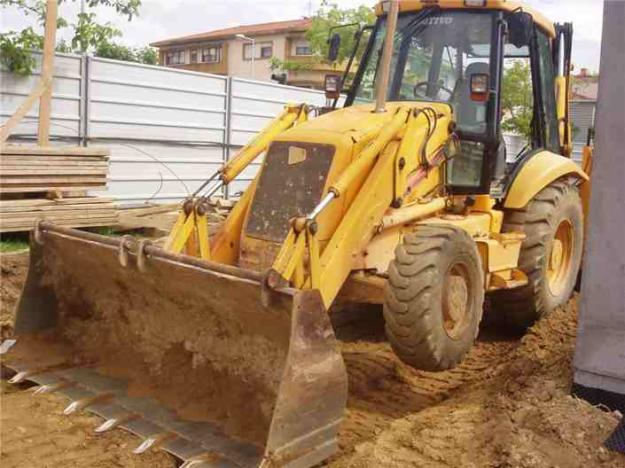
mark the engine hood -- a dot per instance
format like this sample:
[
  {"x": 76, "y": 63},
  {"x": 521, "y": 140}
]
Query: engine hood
[{"x": 350, "y": 124}]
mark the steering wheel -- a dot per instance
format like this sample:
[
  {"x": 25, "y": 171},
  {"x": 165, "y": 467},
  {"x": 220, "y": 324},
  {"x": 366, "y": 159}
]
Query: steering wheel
[{"x": 437, "y": 86}]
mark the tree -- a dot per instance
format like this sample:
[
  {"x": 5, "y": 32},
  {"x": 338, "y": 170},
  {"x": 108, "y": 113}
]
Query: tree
[
  {"x": 114, "y": 51},
  {"x": 87, "y": 35},
  {"x": 517, "y": 100},
  {"x": 327, "y": 17}
]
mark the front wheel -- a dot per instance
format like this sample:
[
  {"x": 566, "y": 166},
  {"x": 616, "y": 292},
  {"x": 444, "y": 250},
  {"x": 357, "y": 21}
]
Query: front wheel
[{"x": 434, "y": 297}]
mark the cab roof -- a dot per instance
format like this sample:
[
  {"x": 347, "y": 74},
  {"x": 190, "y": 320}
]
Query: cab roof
[{"x": 504, "y": 5}]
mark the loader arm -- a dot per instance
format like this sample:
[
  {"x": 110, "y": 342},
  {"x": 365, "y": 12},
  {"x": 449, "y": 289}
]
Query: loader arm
[
  {"x": 190, "y": 231},
  {"x": 414, "y": 138}
]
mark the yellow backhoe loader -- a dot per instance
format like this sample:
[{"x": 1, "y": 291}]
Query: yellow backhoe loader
[{"x": 219, "y": 348}]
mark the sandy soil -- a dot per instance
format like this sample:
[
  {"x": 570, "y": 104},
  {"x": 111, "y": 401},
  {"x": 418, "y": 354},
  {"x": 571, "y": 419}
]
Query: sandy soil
[
  {"x": 13, "y": 269},
  {"x": 507, "y": 405}
]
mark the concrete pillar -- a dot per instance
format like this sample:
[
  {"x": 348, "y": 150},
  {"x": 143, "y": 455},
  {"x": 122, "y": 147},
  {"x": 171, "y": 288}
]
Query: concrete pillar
[{"x": 600, "y": 354}]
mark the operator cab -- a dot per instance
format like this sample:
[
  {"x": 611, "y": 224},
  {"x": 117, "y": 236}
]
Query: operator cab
[{"x": 459, "y": 57}]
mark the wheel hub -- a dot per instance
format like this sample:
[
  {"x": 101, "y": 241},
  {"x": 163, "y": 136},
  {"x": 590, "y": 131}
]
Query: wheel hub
[
  {"x": 556, "y": 255},
  {"x": 560, "y": 258},
  {"x": 455, "y": 302}
]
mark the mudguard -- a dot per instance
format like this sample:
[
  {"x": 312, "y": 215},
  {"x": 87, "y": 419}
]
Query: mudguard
[{"x": 537, "y": 172}]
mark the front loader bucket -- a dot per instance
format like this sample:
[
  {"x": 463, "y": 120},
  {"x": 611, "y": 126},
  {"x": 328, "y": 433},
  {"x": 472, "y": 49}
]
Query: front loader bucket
[{"x": 181, "y": 352}]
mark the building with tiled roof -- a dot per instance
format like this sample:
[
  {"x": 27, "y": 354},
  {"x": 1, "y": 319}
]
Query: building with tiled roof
[{"x": 229, "y": 51}]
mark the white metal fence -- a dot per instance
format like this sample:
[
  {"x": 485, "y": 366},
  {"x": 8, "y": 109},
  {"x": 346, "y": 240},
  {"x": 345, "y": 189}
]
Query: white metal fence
[{"x": 167, "y": 129}]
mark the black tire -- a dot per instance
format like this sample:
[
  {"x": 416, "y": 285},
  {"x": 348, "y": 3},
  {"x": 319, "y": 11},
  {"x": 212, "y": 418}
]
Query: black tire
[
  {"x": 418, "y": 323},
  {"x": 556, "y": 204}
]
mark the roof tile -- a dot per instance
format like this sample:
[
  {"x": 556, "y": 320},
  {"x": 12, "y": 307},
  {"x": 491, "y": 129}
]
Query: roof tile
[{"x": 260, "y": 29}]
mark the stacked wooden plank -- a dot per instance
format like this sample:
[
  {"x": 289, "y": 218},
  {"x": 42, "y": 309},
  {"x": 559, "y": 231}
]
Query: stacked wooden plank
[
  {"x": 50, "y": 183},
  {"x": 31, "y": 169},
  {"x": 22, "y": 215}
]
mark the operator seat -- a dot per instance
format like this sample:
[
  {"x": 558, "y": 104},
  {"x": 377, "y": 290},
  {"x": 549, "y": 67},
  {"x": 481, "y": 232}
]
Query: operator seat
[{"x": 471, "y": 117}]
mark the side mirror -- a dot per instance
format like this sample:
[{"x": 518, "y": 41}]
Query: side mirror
[
  {"x": 333, "y": 86},
  {"x": 335, "y": 44},
  {"x": 479, "y": 87},
  {"x": 520, "y": 28}
]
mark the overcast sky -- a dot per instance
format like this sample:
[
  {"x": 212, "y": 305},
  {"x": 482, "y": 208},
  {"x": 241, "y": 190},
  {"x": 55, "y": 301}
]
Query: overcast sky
[{"x": 162, "y": 19}]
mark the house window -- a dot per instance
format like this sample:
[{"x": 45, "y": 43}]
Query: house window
[
  {"x": 194, "y": 56},
  {"x": 211, "y": 54},
  {"x": 264, "y": 50},
  {"x": 303, "y": 48},
  {"x": 175, "y": 57}
]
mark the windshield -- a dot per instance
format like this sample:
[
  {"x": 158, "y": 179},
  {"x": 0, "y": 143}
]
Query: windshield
[{"x": 435, "y": 54}]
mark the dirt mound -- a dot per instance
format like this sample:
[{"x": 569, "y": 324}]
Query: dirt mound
[
  {"x": 507, "y": 405},
  {"x": 13, "y": 268}
]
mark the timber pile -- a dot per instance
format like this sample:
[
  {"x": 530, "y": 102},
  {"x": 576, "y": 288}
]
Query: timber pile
[
  {"x": 29, "y": 169},
  {"x": 22, "y": 215},
  {"x": 50, "y": 183}
]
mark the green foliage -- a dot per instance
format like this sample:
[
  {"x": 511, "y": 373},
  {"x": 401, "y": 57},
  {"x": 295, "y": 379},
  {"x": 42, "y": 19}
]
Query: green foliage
[
  {"x": 13, "y": 243},
  {"x": 87, "y": 35},
  {"x": 328, "y": 16},
  {"x": 147, "y": 55},
  {"x": 289, "y": 65},
  {"x": 517, "y": 99},
  {"x": 15, "y": 50},
  {"x": 114, "y": 51}
]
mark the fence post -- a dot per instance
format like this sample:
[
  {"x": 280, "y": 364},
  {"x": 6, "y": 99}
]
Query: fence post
[
  {"x": 228, "y": 129},
  {"x": 85, "y": 98}
]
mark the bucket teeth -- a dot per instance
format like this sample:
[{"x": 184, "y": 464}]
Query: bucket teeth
[
  {"x": 6, "y": 345},
  {"x": 201, "y": 461},
  {"x": 81, "y": 404},
  {"x": 51, "y": 388},
  {"x": 112, "y": 423},
  {"x": 21, "y": 377},
  {"x": 153, "y": 442}
]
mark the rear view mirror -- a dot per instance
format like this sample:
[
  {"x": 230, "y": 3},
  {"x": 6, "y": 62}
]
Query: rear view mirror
[
  {"x": 520, "y": 28},
  {"x": 335, "y": 44},
  {"x": 479, "y": 87}
]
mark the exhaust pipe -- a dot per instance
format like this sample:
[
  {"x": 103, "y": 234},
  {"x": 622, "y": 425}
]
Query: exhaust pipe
[{"x": 387, "y": 55}]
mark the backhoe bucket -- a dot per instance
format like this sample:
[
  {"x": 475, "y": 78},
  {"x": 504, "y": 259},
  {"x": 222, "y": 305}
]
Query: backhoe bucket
[{"x": 192, "y": 356}]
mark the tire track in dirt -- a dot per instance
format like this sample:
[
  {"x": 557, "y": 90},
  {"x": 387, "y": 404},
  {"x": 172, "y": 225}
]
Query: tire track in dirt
[
  {"x": 382, "y": 389},
  {"x": 507, "y": 405}
]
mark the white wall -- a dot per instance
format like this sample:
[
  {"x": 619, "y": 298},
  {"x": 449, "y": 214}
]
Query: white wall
[{"x": 167, "y": 129}]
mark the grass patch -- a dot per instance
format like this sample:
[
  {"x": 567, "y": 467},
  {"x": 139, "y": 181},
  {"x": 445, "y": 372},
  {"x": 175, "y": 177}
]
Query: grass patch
[{"x": 13, "y": 243}]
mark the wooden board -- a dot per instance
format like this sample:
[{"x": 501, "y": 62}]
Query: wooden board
[
  {"x": 22, "y": 215},
  {"x": 37, "y": 203},
  {"x": 25, "y": 150},
  {"x": 30, "y": 170}
]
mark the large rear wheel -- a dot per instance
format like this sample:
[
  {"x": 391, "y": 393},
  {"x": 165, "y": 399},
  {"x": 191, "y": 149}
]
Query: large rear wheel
[
  {"x": 434, "y": 297},
  {"x": 551, "y": 254}
]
